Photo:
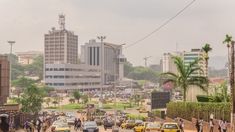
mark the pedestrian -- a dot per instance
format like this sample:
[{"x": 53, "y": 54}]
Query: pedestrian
[
  {"x": 211, "y": 123},
  {"x": 11, "y": 126},
  {"x": 38, "y": 124},
  {"x": 181, "y": 125},
  {"x": 105, "y": 124},
  {"x": 219, "y": 123},
  {"x": 27, "y": 125},
  {"x": 197, "y": 125},
  {"x": 176, "y": 119},
  {"x": 4, "y": 126},
  {"x": 44, "y": 126},
  {"x": 223, "y": 126},
  {"x": 79, "y": 123},
  {"x": 75, "y": 123},
  {"x": 201, "y": 125}
]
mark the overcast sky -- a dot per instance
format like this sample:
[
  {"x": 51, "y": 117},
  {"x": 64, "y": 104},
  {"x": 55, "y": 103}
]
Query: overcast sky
[{"x": 122, "y": 21}]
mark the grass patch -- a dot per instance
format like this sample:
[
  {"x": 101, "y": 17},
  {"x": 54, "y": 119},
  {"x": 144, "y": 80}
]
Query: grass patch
[
  {"x": 12, "y": 102},
  {"x": 120, "y": 105}
]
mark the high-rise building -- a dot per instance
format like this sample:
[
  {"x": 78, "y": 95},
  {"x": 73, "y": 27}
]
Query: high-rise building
[
  {"x": 168, "y": 63},
  {"x": 91, "y": 55},
  {"x": 61, "y": 46},
  {"x": 189, "y": 56}
]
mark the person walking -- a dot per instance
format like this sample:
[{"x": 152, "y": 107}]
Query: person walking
[
  {"x": 176, "y": 120},
  {"x": 4, "y": 126},
  {"x": 27, "y": 125},
  {"x": 211, "y": 123},
  {"x": 32, "y": 126},
  {"x": 181, "y": 125},
  {"x": 223, "y": 126},
  {"x": 38, "y": 124},
  {"x": 11, "y": 126},
  {"x": 219, "y": 123},
  {"x": 44, "y": 126},
  {"x": 201, "y": 125},
  {"x": 197, "y": 125},
  {"x": 105, "y": 124},
  {"x": 75, "y": 123},
  {"x": 79, "y": 124}
]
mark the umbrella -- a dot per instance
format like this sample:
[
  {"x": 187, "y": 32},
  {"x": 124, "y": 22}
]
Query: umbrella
[{"x": 4, "y": 115}]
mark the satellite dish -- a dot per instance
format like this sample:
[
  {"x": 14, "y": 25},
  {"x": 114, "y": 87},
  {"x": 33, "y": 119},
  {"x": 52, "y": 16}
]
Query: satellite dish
[{"x": 53, "y": 28}]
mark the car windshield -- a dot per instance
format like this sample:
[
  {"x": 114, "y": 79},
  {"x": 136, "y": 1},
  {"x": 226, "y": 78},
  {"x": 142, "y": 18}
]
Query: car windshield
[
  {"x": 62, "y": 125},
  {"x": 90, "y": 124},
  {"x": 170, "y": 126},
  {"x": 153, "y": 125}
]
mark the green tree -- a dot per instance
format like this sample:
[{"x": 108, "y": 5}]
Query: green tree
[
  {"x": 31, "y": 100},
  {"x": 128, "y": 67},
  {"x": 186, "y": 77},
  {"x": 22, "y": 83},
  {"x": 76, "y": 95},
  {"x": 16, "y": 99},
  {"x": 36, "y": 67},
  {"x": 55, "y": 103},
  {"x": 72, "y": 100},
  {"x": 207, "y": 49},
  {"x": 47, "y": 101},
  {"x": 85, "y": 98}
]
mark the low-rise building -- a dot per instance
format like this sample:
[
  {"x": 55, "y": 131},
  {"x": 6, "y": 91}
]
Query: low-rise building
[{"x": 25, "y": 58}]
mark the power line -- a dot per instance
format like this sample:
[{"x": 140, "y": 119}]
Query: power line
[
  {"x": 161, "y": 25},
  {"x": 155, "y": 30}
]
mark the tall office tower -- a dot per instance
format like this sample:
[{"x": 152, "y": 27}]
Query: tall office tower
[{"x": 61, "y": 46}]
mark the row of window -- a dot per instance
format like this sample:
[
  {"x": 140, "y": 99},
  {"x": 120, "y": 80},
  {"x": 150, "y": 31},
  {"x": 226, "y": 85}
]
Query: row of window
[
  {"x": 61, "y": 76},
  {"x": 70, "y": 69},
  {"x": 72, "y": 84}
]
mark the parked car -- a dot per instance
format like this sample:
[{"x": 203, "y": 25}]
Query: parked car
[
  {"x": 143, "y": 111},
  {"x": 170, "y": 127},
  {"x": 90, "y": 126},
  {"x": 128, "y": 124},
  {"x": 62, "y": 127},
  {"x": 100, "y": 111},
  {"x": 140, "y": 127},
  {"x": 98, "y": 120}
]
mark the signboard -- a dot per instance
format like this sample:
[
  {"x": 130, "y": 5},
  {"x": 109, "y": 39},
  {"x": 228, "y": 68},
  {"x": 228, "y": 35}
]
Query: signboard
[{"x": 159, "y": 99}]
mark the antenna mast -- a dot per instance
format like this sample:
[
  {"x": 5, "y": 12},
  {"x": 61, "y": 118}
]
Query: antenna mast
[{"x": 62, "y": 21}]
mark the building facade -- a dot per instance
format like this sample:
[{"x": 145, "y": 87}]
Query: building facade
[
  {"x": 91, "y": 54},
  {"x": 168, "y": 63},
  {"x": 25, "y": 58},
  {"x": 61, "y": 46},
  {"x": 4, "y": 79},
  {"x": 73, "y": 76}
]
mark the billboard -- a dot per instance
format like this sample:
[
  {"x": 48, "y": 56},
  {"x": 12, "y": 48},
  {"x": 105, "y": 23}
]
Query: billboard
[{"x": 159, "y": 99}]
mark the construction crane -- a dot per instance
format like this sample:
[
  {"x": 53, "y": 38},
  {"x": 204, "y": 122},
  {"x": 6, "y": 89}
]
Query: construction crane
[{"x": 146, "y": 58}]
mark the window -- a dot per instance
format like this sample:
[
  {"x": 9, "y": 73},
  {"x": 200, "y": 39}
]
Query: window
[
  {"x": 90, "y": 55},
  {"x": 94, "y": 55},
  {"x": 98, "y": 56},
  {"x": 190, "y": 54},
  {"x": 59, "y": 76},
  {"x": 49, "y": 76},
  {"x": 58, "y": 84},
  {"x": 193, "y": 58}
]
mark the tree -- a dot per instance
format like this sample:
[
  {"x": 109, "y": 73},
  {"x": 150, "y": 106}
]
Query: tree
[
  {"x": 128, "y": 67},
  {"x": 31, "y": 100},
  {"x": 46, "y": 90},
  {"x": 72, "y": 100},
  {"x": 76, "y": 95},
  {"x": 220, "y": 93},
  {"x": 85, "y": 98},
  {"x": 186, "y": 77},
  {"x": 47, "y": 101},
  {"x": 207, "y": 48},
  {"x": 16, "y": 99},
  {"x": 22, "y": 83},
  {"x": 55, "y": 103},
  {"x": 36, "y": 67}
]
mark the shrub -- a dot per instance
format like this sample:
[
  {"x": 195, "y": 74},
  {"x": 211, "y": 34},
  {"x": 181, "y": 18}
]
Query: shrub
[
  {"x": 189, "y": 110},
  {"x": 202, "y": 98},
  {"x": 133, "y": 117},
  {"x": 107, "y": 107},
  {"x": 156, "y": 113}
]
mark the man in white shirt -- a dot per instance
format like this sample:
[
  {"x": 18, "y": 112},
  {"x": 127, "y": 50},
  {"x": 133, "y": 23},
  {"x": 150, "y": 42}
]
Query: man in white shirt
[{"x": 211, "y": 123}]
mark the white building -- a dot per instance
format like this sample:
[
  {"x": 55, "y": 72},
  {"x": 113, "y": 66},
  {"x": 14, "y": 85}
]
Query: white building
[
  {"x": 25, "y": 58},
  {"x": 73, "y": 76},
  {"x": 91, "y": 55},
  {"x": 167, "y": 62}
]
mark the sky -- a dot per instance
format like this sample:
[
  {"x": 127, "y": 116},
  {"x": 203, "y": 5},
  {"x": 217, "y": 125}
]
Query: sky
[{"x": 121, "y": 21}]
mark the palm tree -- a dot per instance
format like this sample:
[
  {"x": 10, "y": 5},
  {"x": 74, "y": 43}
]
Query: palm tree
[
  {"x": 47, "y": 101},
  {"x": 228, "y": 40},
  {"x": 207, "y": 48},
  {"x": 186, "y": 77}
]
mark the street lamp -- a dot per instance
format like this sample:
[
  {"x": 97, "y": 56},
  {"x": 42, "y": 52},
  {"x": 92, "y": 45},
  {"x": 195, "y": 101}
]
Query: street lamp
[
  {"x": 11, "y": 43},
  {"x": 101, "y": 63},
  {"x": 114, "y": 71}
]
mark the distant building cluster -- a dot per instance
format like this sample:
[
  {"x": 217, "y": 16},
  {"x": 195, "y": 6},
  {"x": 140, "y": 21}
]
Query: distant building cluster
[{"x": 25, "y": 58}]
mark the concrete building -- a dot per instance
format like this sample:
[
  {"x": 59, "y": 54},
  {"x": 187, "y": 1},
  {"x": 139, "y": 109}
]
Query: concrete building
[
  {"x": 4, "y": 79},
  {"x": 189, "y": 56},
  {"x": 73, "y": 76},
  {"x": 91, "y": 55},
  {"x": 61, "y": 46},
  {"x": 167, "y": 62},
  {"x": 25, "y": 58}
]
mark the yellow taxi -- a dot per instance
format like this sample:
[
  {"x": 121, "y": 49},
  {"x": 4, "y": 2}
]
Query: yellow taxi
[
  {"x": 62, "y": 127},
  {"x": 143, "y": 110},
  {"x": 55, "y": 123},
  {"x": 128, "y": 124},
  {"x": 170, "y": 127},
  {"x": 153, "y": 127},
  {"x": 81, "y": 111},
  {"x": 141, "y": 127}
]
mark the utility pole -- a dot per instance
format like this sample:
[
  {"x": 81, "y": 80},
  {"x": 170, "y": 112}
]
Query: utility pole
[
  {"x": 232, "y": 85},
  {"x": 101, "y": 64},
  {"x": 115, "y": 89},
  {"x": 11, "y": 43}
]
